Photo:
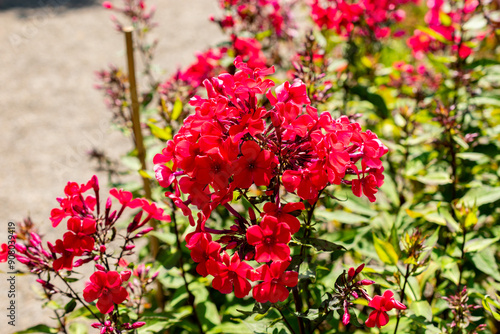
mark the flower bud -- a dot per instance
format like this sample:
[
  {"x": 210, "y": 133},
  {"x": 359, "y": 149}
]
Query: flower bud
[
  {"x": 129, "y": 247},
  {"x": 346, "y": 317},
  {"x": 20, "y": 248},
  {"x": 100, "y": 267},
  {"x": 102, "y": 249},
  {"x": 96, "y": 324},
  {"x": 351, "y": 272},
  {"x": 138, "y": 324},
  {"x": 358, "y": 269},
  {"x": 366, "y": 282},
  {"x": 107, "y": 5}
]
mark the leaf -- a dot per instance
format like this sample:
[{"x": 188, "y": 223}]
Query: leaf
[
  {"x": 486, "y": 262},
  {"x": 422, "y": 308},
  {"x": 177, "y": 109},
  {"x": 342, "y": 217},
  {"x": 481, "y": 196},
  {"x": 324, "y": 245},
  {"x": 385, "y": 251},
  {"x": 258, "y": 308},
  {"x": 77, "y": 328},
  {"x": 70, "y": 306},
  {"x": 83, "y": 312},
  {"x": 487, "y": 304},
  {"x": 373, "y": 98},
  {"x": 435, "y": 178},
  {"x": 38, "y": 329},
  {"x": 165, "y": 133},
  {"x": 482, "y": 62}
]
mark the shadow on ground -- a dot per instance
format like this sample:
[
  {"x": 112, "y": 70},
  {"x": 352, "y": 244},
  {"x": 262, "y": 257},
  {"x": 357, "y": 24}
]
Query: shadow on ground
[{"x": 10, "y": 4}]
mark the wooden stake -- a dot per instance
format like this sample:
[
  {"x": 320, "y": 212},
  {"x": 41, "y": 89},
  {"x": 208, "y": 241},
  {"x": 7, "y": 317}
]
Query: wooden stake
[{"x": 139, "y": 141}]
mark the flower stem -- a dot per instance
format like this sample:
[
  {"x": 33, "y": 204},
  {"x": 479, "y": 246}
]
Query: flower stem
[
  {"x": 183, "y": 273},
  {"x": 290, "y": 328},
  {"x": 407, "y": 274}
]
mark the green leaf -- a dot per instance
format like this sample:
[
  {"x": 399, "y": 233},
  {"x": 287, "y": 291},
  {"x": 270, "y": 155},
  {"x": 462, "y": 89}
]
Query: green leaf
[
  {"x": 479, "y": 244},
  {"x": 373, "y": 98},
  {"x": 77, "y": 328},
  {"x": 485, "y": 261},
  {"x": 258, "y": 308},
  {"x": 176, "y": 111},
  {"x": 165, "y": 133},
  {"x": 342, "y": 216},
  {"x": 481, "y": 196},
  {"x": 492, "y": 306},
  {"x": 70, "y": 306},
  {"x": 83, "y": 312},
  {"x": 422, "y": 308},
  {"x": 38, "y": 329},
  {"x": 385, "y": 251},
  {"x": 482, "y": 62},
  {"x": 435, "y": 178},
  {"x": 324, "y": 245}
]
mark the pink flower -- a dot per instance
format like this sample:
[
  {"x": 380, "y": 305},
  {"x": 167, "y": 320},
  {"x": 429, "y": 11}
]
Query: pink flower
[
  {"x": 107, "y": 5},
  {"x": 107, "y": 288},
  {"x": 382, "y": 304},
  {"x": 230, "y": 272}
]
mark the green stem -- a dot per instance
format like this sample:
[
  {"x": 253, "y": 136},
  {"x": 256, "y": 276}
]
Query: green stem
[
  {"x": 407, "y": 274},
  {"x": 290, "y": 328},
  {"x": 183, "y": 273}
]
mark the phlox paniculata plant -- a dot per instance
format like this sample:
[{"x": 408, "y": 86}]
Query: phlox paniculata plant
[{"x": 246, "y": 141}]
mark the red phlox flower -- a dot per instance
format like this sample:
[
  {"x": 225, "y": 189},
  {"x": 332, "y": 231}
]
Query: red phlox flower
[
  {"x": 78, "y": 239},
  {"x": 67, "y": 256},
  {"x": 295, "y": 93},
  {"x": 202, "y": 250},
  {"x": 282, "y": 214},
  {"x": 213, "y": 169},
  {"x": 308, "y": 182},
  {"x": 4, "y": 253},
  {"x": 255, "y": 165},
  {"x": 229, "y": 272},
  {"x": 382, "y": 304},
  {"x": 270, "y": 239},
  {"x": 276, "y": 280},
  {"x": 107, "y": 288}
]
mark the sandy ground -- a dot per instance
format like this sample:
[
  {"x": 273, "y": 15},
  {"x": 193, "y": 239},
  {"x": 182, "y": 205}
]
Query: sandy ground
[{"x": 50, "y": 115}]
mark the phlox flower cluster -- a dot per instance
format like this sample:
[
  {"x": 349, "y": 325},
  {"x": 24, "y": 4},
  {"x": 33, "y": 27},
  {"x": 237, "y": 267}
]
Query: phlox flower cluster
[
  {"x": 445, "y": 21},
  {"x": 369, "y": 16},
  {"x": 255, "y": 16},
  {"x": 414, "y": 80},
  {"x": 234, "y": 143},
  {"x": 89, "y": 230}
]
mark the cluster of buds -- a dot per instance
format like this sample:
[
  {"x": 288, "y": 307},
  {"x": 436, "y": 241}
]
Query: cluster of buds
[
  {"x": 33, "y": 254},
  {"x": 114, "y": 84},
  {"x": 416, "y": 82},
  {"x": 136, "y": 11},
  {"x": 461, "y": 312},
  {"x": 109, "y": 327}
]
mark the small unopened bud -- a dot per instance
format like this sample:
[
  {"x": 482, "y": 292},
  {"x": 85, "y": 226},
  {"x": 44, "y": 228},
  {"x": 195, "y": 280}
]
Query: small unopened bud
[
  {"x": 108, "y": 204},
  {"x": 96, "y": 324},
  {"x": 100, "y": 267},
  {"x": 107, "y": 5},
  {"x": 249, "y": 256},
  {"x": 251, "y": 214},
  {"x": 346, "y": 317},
  {"x": 355, "y": 294},
  {"x": 366, "y": 282},
  {"x": 129, "y": 247},
  {"x": 232, "y": 245},
  {"x": 35, "y": 239},
  {"x": 155, "y": 275},
  {"x": 20, "y": 248},
  {"x": 135, "y": 223},
  {"x": 138, "y": 324},
  {"x": 358, "y": 269},
  {"x": 125, "y": 275},
  {"x": 143, "y": 232},
  {"x": 102, "y": 249},
  {"x": 23, "y": 260},
  {"x": 351, "y": 272}
]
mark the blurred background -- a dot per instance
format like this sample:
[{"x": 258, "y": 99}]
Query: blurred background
[{"x": 50, "y": 114}]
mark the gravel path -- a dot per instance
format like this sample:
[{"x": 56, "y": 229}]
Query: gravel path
[{"x": 50, "y": 115}]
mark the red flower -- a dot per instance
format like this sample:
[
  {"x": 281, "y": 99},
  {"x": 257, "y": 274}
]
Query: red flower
[
  {"x": 270, "y": 239},
  {"x": 66, "y": 260},
  {"x": 283, "y": 215},
  {"x": 107, "y": 287},
  {"x": 276, "y": 279},
  {"x": 78, "y": 240},
  {"x": 229, "y": 272},
  {"x": 202, "y": 250},
  {"x": 254, "y": 166},
  {"x": 382, "y": 304},
  {"x": 4, "y": 253}
]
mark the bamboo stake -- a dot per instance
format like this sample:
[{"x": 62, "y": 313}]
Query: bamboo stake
[{"x": 139, "y": 141}]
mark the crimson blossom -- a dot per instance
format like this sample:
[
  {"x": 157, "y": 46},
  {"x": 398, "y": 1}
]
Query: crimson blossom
[
  {"x": 382, "y": 304},
  {"x": 107, "y": 288},
  {"x": 235, "y": 143}
]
